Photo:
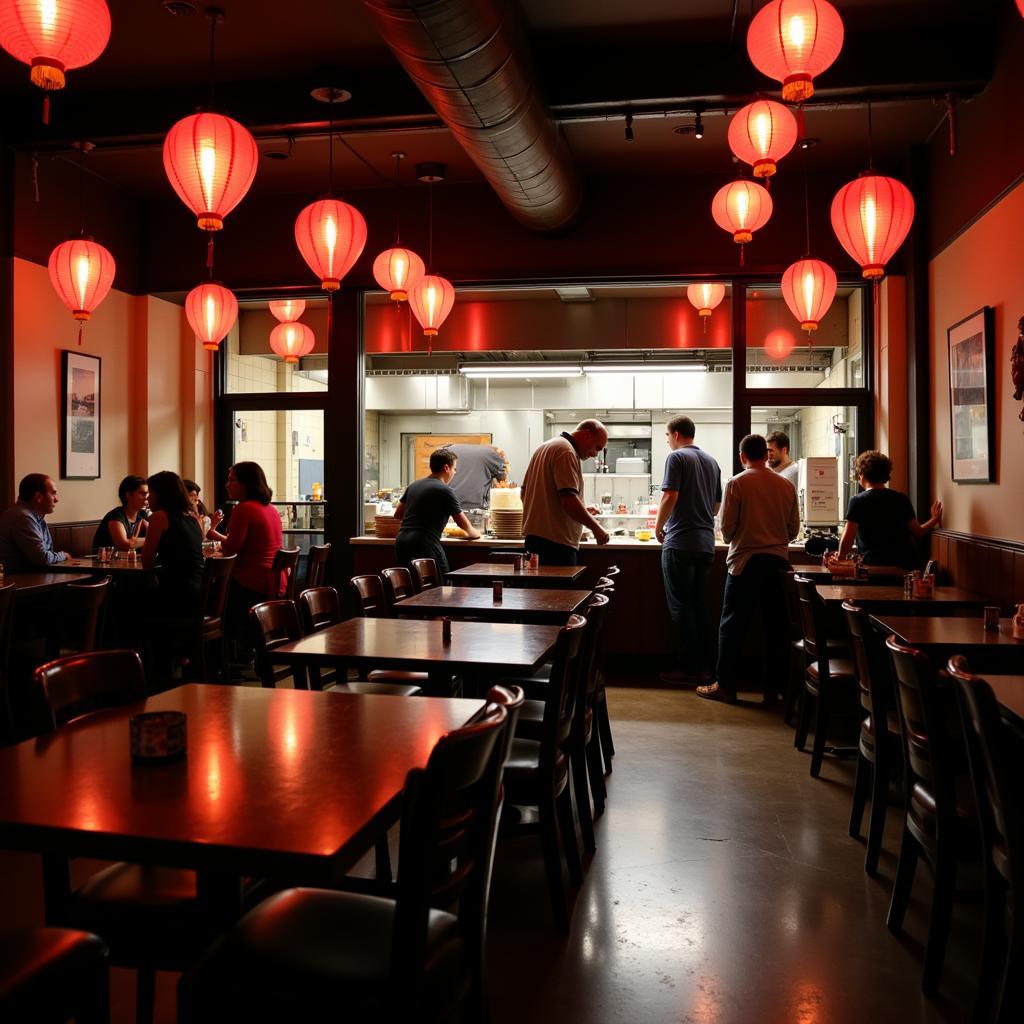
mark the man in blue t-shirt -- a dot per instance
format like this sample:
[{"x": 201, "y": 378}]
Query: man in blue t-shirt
[{"x": 691, "y": 495}]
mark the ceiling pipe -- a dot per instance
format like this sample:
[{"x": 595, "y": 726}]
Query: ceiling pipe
[{"x": 470, "y": 60}]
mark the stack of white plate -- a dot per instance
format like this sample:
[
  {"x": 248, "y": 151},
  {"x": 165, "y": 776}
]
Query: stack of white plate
[
  {"x": 507, "y": 524},
  {"x": 386, "y": 526}
]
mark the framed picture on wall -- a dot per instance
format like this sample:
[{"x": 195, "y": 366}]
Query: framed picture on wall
[
  {"x": 80, "y": 409},
  {"x": 971, "y": 398}
]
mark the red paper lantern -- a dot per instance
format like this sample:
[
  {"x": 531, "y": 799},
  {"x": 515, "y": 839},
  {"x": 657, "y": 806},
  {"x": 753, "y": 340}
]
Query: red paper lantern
[
  {"x": 779, "y": 343},
  {"x": 809, "y": 286},
  {"x": 82, "y": 272},
  {"x": 287, "y": 310},
  {"x": 211, "y": 161},
  {"x": 741, "y": 208},
  {"x": 211, "y": 311},
  {"x": 1020, "y": 7},
  {"x": 762, "y": 133},
  {"x": 54, "y": 36},
  {"x": 292, "y": 341},
  {"x": 397, "y": 270},
  {"x": 705, "y": 297},
  {"x": 431, "y": 301},
  {"x": 793, "y": 41},
  {"x": 871, "y": 217},
  {"x": 330, "y": 235}
]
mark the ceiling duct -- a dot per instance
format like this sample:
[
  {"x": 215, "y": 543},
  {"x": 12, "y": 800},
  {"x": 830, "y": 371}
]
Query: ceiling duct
[{"x": 470, "y": 60}]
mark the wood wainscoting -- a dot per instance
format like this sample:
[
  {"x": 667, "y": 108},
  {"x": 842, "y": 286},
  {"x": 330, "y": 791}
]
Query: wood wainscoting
[{"x": 985, "y": 565}]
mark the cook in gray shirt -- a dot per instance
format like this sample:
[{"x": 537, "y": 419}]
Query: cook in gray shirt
[
  {"x": 25, "y": 541},
  {"x": 479, "y": 466}
]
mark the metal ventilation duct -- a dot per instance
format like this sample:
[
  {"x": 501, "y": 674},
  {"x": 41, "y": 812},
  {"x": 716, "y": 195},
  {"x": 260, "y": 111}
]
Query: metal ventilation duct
[{"x": 470, "y": 60}]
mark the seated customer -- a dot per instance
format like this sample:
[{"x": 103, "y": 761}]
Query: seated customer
[
  {"x": 25, "y": 541},
  {"x": 882, "y": 521},
  {"x": 424, "y": 510},
  {"x": 124, "y": 527},
  {"x": 203, "y": 517},
  {"x": 174, "y": 543}
]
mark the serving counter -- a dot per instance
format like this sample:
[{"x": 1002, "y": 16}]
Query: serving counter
[{"x": 638, "y": 625}]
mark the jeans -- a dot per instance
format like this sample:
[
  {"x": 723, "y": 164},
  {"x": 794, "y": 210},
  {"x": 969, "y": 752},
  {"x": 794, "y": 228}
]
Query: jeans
[
  {"x": 551, "y": 553},
  {"x": 686, "y": 576},
  {"x": 761, "y": 585}
]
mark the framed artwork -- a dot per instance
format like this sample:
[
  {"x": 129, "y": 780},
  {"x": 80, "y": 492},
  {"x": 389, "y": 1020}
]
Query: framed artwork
[
  {"x": 80, "y": 409},
  {"x": 972, "y": 398}
]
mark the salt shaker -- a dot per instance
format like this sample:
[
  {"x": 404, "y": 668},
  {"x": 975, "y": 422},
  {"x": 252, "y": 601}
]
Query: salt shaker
[
  {"x": 446, "y": 630},
  {"x": 497, "y": 587}
]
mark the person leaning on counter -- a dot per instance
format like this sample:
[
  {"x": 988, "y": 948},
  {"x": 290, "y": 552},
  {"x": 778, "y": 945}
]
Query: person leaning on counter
[
  {"x": 424, "y": 510},
  {"x": 553, "y": 511}
]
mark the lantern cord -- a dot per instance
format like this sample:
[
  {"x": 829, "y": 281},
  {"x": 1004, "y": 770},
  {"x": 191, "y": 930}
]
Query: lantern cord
[
  {"x": 214, "y": 17},
  {"x": 330, "y": 147},
  {"x": 81, "y": 327},
  {"x": 430, "y": 227},
  {"x": 871, "y": 140},
  {"x": 209, "y": 253},
  {"x": 81, "y": 186},
  {"x": 398, "y": 212},
  {"x": 46, "y": 108},
  {"x": 807, "y": 209},
  {"x": 741, "y": 254}
]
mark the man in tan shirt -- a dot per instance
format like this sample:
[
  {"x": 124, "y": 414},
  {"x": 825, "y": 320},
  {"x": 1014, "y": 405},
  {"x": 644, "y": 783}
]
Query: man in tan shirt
[
  {"x": 759, "y": 519},
  {"x": 552, "y": 490}
]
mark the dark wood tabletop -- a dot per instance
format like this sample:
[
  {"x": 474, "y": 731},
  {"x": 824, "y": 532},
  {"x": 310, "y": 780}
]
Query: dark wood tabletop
[
  {"x": 1009, "y": 691},
  {"x": 37, "y": 582},
  {"x": 820, "y": 574},
  {"x": 518, "y": 604},
  {"x": 481, "y": 574},
  {"x": 91, "y": 564},
  {"x": 943, "y": 636},
  {"x": 416, "y": 646},
  {"x": 290, "y": 781},
  {"x": 872, "y": 595}
]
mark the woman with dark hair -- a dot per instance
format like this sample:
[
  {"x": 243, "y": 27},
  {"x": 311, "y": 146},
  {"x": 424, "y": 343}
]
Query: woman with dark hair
[
  {"x": 882, "y": 522},
  {"x": 124, "y": 527},
  {"x": 205, "y": 519},
  {"x": 175, "y": 544},
  {"x": 254, "y": 535}
]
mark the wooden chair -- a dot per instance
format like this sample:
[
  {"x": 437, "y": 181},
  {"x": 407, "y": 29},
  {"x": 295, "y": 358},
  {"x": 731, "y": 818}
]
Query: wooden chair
[
  {"x": 213, "y": 598},
  {"x": 82, "y": 624},
  {"x": 50, "y": 974},
  {"x": 83, "y": 683},
  {"x": 398, "y": 584},
  {"x": 275, "y": 623},
  {"x": 316, "y": 565},
  {"x": 6, "y": 619},
  {"x": 537, "y": 773},
  {"x": 425, "y": 573},
  {"x": 994, "y": 768},
  {"x": 286, "y": 561},
  {"x": 370, "y": 597},
  {"x": 940, "y": 823},
  {"x": 878, "y": 750},
  {"x": 826, "y": 679},
  {"x": 309, "y": 954}
]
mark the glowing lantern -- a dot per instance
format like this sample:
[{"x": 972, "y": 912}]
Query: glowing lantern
[
  {"x": 871, "y": 217},
  {"x": 809, "y": 286},
  {"x": 779, "y": 343},
  {"x": 741, "y": 208},
  {"x": 397, "y": 270},
  {"x": 793, "y": 41},
  {"x": 704, "y": 298},
  {"x": 762, "y": 133},
  {"x": 292, "y": 341},
  {"x": 211, "y": 161},
  {"x": 431, "y": 301},
  {"x": 54, "y": 36},
  {"x": 330, "y": 235},
  {"x": 288, "y": 310},
  {"x": 82, "y": 272},
  {"x": 211, "y": 311},
  {"x": 1020, "y": 7}
]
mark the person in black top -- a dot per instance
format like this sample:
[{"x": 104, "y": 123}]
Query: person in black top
[
  {"x": 174, "y": 542},
  {"x": 881, "y": 521},
  {"x": 424, "y": 510},
  {"x": 125, "y": 527}
]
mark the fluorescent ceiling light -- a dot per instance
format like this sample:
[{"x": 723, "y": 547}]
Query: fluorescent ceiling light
[
  {"x": 574, "y": 293},
  {"x": 518, "y": 371},
  {"x": 645, "y": 368}
]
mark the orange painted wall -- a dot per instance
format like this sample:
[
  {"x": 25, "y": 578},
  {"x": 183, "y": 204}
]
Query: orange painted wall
[{"x": 981, "y": 268}]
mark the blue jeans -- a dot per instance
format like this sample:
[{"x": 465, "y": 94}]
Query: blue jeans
[
  {"x": 760, "y": 587},
  {"x": 686, "y": 574},
  {"x": 551, "y": 553}
]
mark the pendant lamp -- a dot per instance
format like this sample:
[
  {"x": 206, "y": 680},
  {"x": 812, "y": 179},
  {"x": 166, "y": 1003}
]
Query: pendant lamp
[
  {"x": 211, "y": 311},
  {"x": 704, "y": 298},
  {"x": 794, "y": 41},
  {"x": 287, "y": 310},
  {"x": 432, "y": 299},
  {"x": 779, "y": 344},
  {"x": 81, "y": 272},
  {"x": 871, "y": 217},
  {"x": 398, "y": 269},
  {"x": 54, "y": 37},
  {"x": 761, "y": 134},
  {"x": 292, "y": 341},
  {"x": 741, "y": 208}
]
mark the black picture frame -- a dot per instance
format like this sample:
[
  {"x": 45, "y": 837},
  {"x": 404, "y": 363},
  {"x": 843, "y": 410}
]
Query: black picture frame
[
  {"x": 972, "y": 423},
  {"x": 81, "y": 386}
]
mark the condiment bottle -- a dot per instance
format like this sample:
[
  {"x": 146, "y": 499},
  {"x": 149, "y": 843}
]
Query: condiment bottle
[
  {"x": 1017, "y": 624},
  {"x": 446, "y": 630},
  {"x": 496, "y": 589}
]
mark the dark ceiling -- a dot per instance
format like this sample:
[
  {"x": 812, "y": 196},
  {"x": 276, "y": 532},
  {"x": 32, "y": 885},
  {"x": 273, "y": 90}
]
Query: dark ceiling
[{"x": 595, "y": 59}]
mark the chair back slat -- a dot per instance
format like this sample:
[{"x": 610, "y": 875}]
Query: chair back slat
[
  {"x": 372, "y": 600},
  {"x": 319, "y": 607},
  {"x": 276, "y": 623},
  {"x": 217, "y": 574},
  {"x": 398, "y": 584},
  {"x": 811, "y": 618},
  {"x": 425, "y": 573},
  {"x": 874, "y": 676},
  {"x": 316, "y": 565},
  {"x": 83, "y": 613},
  {"x": 84, "y": 683},
  {"x": 286, "y": 562},
  {"x": 563, "y": 690}
]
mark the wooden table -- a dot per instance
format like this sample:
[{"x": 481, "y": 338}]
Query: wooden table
[
  {"x": 281, "y": 782},
  {"x": 477, "y": 650},
  {"x": 518, "y": 604},
  {"x": 876, "y": 574},
  {"x": 891, "y": 599},
  {"x": 482, "y": 574},
  {"x": 1009, "y": 691},
  {"x": 940, "y": 637},
  {"x": 40, "y": 582},
  {"x": 118, "y": 567}
]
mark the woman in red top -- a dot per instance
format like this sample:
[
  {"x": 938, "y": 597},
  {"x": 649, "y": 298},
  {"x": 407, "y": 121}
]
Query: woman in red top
[{"x": 254, "y": 535}]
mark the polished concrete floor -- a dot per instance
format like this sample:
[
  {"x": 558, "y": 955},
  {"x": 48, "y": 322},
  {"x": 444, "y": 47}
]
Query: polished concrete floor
[{"x": 725, "y": 890}]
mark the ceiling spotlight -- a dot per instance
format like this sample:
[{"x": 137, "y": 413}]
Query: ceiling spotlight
[
  {"x": 430, "y": 172},
  {"x": 281, "y": 154},
  {"x": 629, "y": 127},
  {"x": 807, "y": 142},
  {"x": 698, "y": 127},
  {"x": 183, "y": 8},
  {"x": 330, "y": 94}
]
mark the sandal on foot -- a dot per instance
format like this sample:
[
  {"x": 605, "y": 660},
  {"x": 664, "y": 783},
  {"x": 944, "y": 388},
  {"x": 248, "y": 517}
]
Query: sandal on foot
[{"x": 715, "y": 692}]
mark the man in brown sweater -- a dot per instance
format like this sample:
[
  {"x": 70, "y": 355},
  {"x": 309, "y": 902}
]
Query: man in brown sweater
[{"x": 759, "y": 519}]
